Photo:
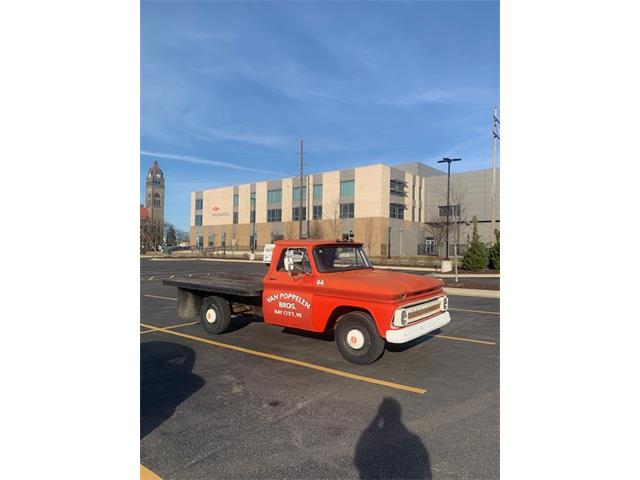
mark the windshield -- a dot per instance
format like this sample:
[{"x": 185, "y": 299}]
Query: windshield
[{"x": 334, "y": 258}]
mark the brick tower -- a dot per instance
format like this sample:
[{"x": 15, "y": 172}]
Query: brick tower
[{"x": 155, "y": 202}]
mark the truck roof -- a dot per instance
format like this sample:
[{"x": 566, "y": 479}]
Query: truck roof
[{"x": 314, "y": 241}]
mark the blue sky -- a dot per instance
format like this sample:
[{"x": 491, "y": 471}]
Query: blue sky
[{"x": 229, "y": 88}]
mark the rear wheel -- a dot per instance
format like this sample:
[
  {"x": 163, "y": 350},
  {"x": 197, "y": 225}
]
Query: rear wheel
[
  {"x": 215, "y": 315},
  {"x": 357, "y": 338}
]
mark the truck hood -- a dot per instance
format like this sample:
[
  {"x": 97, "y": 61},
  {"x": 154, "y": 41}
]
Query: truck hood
[{"x": 376, "y": 285}]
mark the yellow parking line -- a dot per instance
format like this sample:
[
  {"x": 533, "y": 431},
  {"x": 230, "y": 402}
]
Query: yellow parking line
[
  {"x": 461, "y": 339},
  {"x": 151, "y": 278},
  {"x": 292, "y": 361},
  {"x": 474, "y": 311},
  {"x": 163, "y": 298},
  {"x": 170, "y": 327},
  {"x": 146, "y": 474},
  {"x": 181, "y": 325}
]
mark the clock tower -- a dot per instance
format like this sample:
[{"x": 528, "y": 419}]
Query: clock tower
[{"x": 154, "y": 202}]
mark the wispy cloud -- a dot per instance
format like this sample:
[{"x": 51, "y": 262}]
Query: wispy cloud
[
  {"x": 203, "y": 161},
  {"x": 207, "y": 133}
]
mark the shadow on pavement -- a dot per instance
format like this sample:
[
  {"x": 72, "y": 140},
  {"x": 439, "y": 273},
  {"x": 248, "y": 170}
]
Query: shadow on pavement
[
  {"x": 166, "y": 380},
  {"x": 238, "y": 322},
  {"x": 386, "y": 449}
]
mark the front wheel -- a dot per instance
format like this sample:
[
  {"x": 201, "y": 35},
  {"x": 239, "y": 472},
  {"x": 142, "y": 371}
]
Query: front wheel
[{"x": 357, "y": 338}]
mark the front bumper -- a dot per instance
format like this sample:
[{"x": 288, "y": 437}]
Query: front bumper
[{"x": 406, "y": 334}]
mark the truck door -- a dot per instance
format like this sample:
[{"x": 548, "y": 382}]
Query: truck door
[{"x": 288, "y": 296}]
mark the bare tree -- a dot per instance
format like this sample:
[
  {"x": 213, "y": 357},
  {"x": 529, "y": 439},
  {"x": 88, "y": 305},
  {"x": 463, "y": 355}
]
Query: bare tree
[
  {"x": 334, "y": 220},
  {"x": 437, "y": 224},
  {"x": 368, "y": 234},
  {"x": 291, "y": 230},
  {"x": 315, "y": 229}
]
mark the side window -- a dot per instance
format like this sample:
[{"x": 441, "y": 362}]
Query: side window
[{"x": 300, "y": 259}]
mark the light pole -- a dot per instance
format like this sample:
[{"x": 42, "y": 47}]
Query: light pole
[
  {"x": 448, "y": 162},
  {"x": 253, "y": 225},
  {"x": 389, "y": 243}
]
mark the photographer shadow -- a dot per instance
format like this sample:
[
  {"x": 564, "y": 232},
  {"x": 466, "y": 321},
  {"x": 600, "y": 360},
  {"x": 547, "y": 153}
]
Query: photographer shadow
[{"x": 387, "y": 449}]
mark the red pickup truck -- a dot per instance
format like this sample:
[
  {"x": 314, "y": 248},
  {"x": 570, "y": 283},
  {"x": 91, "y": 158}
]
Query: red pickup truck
[{"x": 322, "y": 286}]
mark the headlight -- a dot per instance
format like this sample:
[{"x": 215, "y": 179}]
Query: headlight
[{"x": 403, "y": 317}]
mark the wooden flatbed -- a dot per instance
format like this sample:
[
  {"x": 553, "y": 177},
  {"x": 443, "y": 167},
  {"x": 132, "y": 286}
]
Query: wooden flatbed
[
  {"x": 239, "y": 289},
  {"x": 228, "y": 283}
]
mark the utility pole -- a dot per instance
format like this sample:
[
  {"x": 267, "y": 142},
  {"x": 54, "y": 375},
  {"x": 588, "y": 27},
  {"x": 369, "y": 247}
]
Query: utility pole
[
  {"x": 448, "y": 162},
  {"x": 496, "y": 137},
  {"x": 301, "y": 182}
]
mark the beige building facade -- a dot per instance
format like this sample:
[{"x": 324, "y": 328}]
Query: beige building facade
[{"x": 379, "y": 205}]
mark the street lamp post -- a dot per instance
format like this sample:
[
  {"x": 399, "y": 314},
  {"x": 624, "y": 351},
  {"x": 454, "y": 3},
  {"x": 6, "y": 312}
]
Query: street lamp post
[
  {"x": 253, "y": 225},
  {"x": 389, "y": 243},
  {"x": 448, "y": 162}
]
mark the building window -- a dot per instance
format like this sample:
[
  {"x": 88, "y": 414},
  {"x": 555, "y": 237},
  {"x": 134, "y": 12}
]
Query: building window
[
  {"x": 431, "y": 248},
  {"x": 296, "y": 193},
  {"x": 199, "y": 241},
  {"x": 420, "y": 194},
  {"x": 235, "y": 217},
  {"x": 210, "y": 243},
  {"x": 317, "y": 192},
  {"x": 198, "y": 204},
  {"x": 198, "y": 219},
  {"x": 235, "y": 199},
  {"x": 347, "y": 188},
  {"x": 317, "y": 212},
  {"x": 413, "y": 192},
  {"x": 274, "y": 214},
  {"x": 274, "y": 196},
  {"x": 346, "y": 210},
  {"x": 454, "y": 210},
  {"x": 396, "y": 210},
  {"x": 295, "y": 214},
  {"x": 397, "y": 187},
  {"x": 252, "y": 216},
  {"x": 413, "y": 213}
]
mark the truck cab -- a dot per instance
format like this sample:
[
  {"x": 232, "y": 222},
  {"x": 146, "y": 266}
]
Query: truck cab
[{"x": 319, "y": 286}]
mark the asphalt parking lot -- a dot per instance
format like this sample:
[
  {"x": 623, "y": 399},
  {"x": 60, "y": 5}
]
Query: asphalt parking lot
[{"x": 261, "y": 401}]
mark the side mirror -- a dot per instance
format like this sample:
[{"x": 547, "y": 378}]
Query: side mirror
[{"x": 288, "y": 264}]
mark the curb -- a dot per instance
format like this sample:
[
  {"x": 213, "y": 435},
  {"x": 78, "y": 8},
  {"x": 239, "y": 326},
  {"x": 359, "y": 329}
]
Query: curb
[
  {"x": 468, "y": 275},
  {"x": 400, "y": 267},
  {"x": 236, "y": 260},
  {"x": 472, "y": 292}
]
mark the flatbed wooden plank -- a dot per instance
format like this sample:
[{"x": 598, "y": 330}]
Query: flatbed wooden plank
[{"x": 227, "y": 283}]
